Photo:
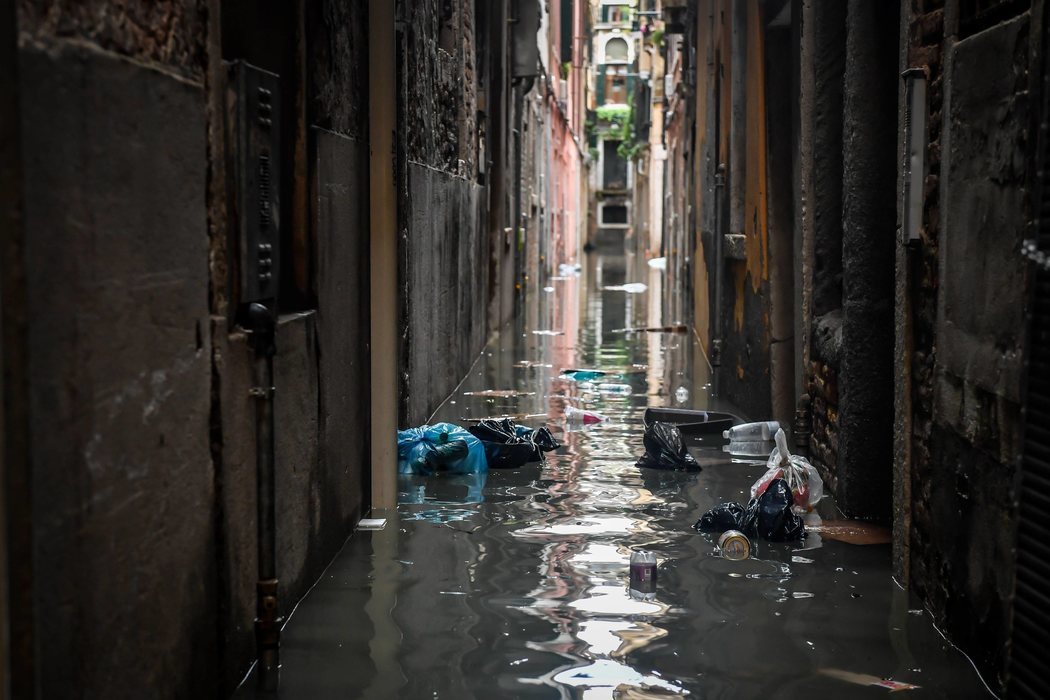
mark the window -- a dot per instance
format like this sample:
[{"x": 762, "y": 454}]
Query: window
[
  {"x": 614, "y": 167},
  {"x": 616, "y": 85},
  {"x": 616, "y": 50},
  {"x": 614, "y": 214}
]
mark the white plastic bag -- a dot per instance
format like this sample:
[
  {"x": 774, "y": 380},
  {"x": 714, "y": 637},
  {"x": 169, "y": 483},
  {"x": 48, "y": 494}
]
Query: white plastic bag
[{"x": 802, "y": 477}]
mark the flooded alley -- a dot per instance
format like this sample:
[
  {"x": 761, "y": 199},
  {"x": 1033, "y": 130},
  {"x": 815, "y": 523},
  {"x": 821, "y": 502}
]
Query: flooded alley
[
  {"x": 514, "y": 583},
  {"x": 419, "y": 349}
]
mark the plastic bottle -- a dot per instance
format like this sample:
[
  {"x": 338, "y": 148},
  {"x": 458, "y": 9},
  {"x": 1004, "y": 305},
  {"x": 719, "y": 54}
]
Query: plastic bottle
[
  {"x": 618, "y": 389},
  {"x": 749, "y": 448},
  {"x": 576, "y": 415},
  {"x": 752, "y": 432}
]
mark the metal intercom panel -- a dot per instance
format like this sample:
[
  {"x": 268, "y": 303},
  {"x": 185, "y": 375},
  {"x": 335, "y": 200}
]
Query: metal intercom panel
[{"x": 253, "y": 109}]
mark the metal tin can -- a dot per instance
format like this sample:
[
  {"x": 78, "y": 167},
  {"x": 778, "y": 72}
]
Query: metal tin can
[
  {"x": 643, "y": 571},
  {"x": 734, "y": 545}
]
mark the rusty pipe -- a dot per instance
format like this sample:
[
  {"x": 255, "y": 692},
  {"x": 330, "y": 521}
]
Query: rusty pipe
[{"x": 267, "y": 617}]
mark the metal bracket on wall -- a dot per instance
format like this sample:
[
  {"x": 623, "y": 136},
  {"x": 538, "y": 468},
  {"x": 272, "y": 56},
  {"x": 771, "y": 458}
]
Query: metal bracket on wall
[
  {"x": 913, "y": 168},
  {"x": 254, "y": 117}
]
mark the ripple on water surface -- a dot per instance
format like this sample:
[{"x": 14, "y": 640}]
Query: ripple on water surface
[{"x": 515, "y": 583}]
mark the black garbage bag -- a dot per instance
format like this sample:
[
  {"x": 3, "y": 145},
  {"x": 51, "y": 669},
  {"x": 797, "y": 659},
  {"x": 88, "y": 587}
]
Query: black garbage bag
[
  {"x": 508, "y": 446},
  {"x": 724, "y": 516},
  {"x": 769, "y": 516},
  {"x": 443, "y": 454},
  {"x": 774, "y": 519},
  {"x": 665, "y": 449}
]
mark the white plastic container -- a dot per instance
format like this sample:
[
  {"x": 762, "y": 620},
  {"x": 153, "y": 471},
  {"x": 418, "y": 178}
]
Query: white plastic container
[
  {"x": 617, "y": 389},
  {"x": 752, "y": 432},
  {"x": 749, "y": 448}
]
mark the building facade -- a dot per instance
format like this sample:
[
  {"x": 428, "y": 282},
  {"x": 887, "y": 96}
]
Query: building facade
[
  {"x": 178, "y": 179},
  {"x": 860, "y": 180}
]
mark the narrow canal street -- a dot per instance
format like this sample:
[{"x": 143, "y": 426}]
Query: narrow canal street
[
  {"x": 514, "y": 584},
  {"x": 420, "y": 349}
]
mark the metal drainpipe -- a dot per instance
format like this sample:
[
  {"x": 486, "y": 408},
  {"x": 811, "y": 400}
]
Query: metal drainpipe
[
  {"x": 720, "y": 224},
  {"x": 267, "y": 621},
  {"x": 519, "y": 218}
]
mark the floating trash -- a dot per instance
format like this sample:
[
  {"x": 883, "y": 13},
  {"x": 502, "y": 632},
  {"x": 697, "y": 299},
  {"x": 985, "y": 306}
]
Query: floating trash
[
  {"x": 658, "y": 263},
  {"x": 867, "y": 679},
  {"x": 630, "y": 288},
  {"x": 500, "y": 393},
  {"x": 734, "y": 545},
  {"x": 576, "y": 415},
  {"x": 673, "y": 328},
  {"x": 528, "y": 364},
  {"x": 569, "y": 269},
  {"x": 853, "y": 532},
  {"x": 582, "y": 375},
  {"x": 548, "y": 332}
]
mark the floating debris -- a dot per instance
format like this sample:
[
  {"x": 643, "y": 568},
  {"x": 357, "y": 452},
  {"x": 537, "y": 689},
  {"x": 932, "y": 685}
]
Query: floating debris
[
  {"x": 674, "y": 328},
  {"x": 852, "y": 532},
  {"x": 867, "y": 679},
  {"x": 548, "y": 332},
  {"x": 630, "y": 288},
  {"x": 500, "y": 393}
]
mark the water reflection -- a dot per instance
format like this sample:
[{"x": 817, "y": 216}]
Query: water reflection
[{"x": 515, "y": 583}]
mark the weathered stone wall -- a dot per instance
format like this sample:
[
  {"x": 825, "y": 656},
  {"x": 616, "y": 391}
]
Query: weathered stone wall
[
  {"x": 123, "y": 484},
  {"x": 925, "y": 49},
  {"x": 968, "y": 403},
  {"x": 167, "y": 33},
  {"x": 444, "y": 248},
  {"x": 864, "y": 487},
  {"x": 322, "y": 363},
  {"x": 143, "y": 430},
  {"x": 446, "y": 285},
  {"x": 338, "y": 79}
]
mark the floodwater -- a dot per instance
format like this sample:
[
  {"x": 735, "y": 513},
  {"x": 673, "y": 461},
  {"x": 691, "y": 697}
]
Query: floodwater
[{"x": 515, "y": 584}]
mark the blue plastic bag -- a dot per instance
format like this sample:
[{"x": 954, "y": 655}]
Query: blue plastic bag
[{"x": 433, "y": 448}]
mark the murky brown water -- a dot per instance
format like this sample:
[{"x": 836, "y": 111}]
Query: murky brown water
[{"x": 514, "y": 584}]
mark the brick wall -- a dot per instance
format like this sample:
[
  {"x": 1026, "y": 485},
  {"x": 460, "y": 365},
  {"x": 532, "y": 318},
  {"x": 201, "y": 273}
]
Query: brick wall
[
  {"x": 824, "y": 441},
  {"x": 926, "y": 49}
]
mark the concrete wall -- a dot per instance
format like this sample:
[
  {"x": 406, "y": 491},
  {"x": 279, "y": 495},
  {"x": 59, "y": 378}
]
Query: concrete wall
[
  {"x": 142, "y": 427},
  {"x": 123, "y": 482},
  {"x": 447, "y": 287},
  {"x": 453, "y": 250}
]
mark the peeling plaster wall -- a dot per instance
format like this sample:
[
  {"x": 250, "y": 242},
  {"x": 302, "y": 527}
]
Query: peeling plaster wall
[{"x": 745, "y": 371}]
